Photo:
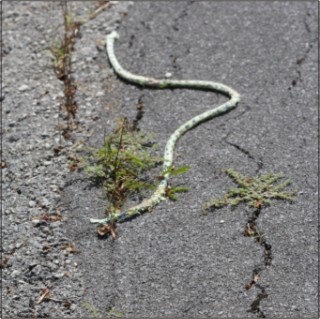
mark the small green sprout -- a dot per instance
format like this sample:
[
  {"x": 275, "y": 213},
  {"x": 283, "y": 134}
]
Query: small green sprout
[
  {"x": 176, "y": 171},
  {"x": 255, "y": 191},
  {"x": 171, "y": 191},
  {"x": 92, "y": 309},
  {"x": 114, "y": 313}
]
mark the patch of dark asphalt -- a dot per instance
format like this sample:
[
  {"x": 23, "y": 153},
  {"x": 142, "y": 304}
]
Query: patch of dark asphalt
[{"x": 175, "y": 261}]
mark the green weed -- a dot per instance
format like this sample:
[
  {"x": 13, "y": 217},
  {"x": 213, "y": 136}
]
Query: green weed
[
  {"x": 255, "y": 191},
  {"x": 114, "y": 313},
  {"x": 121, "y": 163},
  {"x": 123, "y": 166},
  {"x": 62, "y": 51},
  {"x": 171, "y": 191},
  {"x": 91, "y": 308}
]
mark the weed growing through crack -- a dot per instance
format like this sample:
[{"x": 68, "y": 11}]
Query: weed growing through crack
[
  {"x": 121, "y": 162},
  {"x": 254, "y": 191},
  {"x": 94, "y": 312},
  {"x": 62, "y": 52},
  {"x": 114, "y": 313},
  {"x": 123, "y": 166}
]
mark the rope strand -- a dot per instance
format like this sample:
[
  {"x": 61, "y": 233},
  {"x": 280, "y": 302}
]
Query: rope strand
[{"x": 159, "y": 194}]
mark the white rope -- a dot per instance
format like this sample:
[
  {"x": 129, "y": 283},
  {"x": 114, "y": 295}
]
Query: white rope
[{"x": 159, "y": 194}]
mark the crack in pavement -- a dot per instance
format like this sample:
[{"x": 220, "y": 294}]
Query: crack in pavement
[
  {"x": 175, "y": 65},
  {"x": 259, "y": 162},
  {"x": 253, "y": 231},
  {"x": 255, "y": 306},
  {"x": 302, "y": 59},
  {"x": 182, "y": 15},
  {"x": 241, "y": 149},
  {"x": 114, "y": 279}
]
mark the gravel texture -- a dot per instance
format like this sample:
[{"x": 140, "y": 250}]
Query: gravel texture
[
  {"x": 174, "y": 262},
  {"x": 37, "y": 253}
]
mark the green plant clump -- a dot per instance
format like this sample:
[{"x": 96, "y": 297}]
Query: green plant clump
[
  {"x": 114, "y": 313},
  {"x": 92, "y": 309},
  {"x": 255, "y": 191},
  {"x": 120, "y": 163}
]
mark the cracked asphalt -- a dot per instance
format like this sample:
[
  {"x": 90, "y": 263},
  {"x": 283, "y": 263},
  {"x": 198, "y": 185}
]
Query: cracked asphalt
[{"x": 176, "y": 261}]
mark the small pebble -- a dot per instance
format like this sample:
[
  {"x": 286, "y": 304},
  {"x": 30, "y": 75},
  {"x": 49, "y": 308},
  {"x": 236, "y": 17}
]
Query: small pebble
[
  {"x": 44, "y": 135},
  {"x": 13, "y": 138},
  {"x": 18, "y": 245},
  {"x": 15, "y": 273},
  {"x": 36, "y": 270},
  {"x": 58, "y": 275},
  {"x": 23, "y": 88},
  {"x": 33, "y": 263},
  {"x": 73, "y": 306},
  {"x": 45, "y": 203},
  {"x": 55, "y": 224},
  {"x": 32, "y": 203},
  {"x": 36, "y": 222},
  {"x": 100, "y": 93},
  {"x": 23, "y": 117}
]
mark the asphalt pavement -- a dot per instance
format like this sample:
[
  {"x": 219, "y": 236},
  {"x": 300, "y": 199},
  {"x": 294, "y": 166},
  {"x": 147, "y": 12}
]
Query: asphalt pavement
[{"x": 177, "y": 262}]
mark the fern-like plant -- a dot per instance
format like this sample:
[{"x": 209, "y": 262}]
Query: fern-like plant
[
  {"x": 254, "y": 191},
  {"x": 121, "y": 162}
]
